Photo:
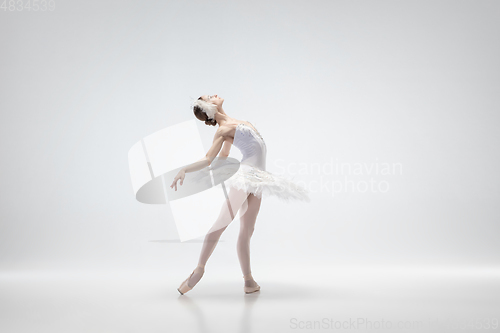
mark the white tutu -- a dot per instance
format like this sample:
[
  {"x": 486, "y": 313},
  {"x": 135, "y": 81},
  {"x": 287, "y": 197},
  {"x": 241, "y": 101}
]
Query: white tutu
[{"x": 254, "y": 180}]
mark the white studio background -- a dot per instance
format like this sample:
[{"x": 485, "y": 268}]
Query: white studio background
[{"x": 410, "y": 84}]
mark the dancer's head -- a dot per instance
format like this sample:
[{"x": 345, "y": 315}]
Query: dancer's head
[{"x": 206, "y": 107}]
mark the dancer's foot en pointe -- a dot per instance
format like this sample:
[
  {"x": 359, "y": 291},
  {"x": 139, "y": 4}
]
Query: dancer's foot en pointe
[
  {"x": 192, "y": 280},
  {"x": 250, "y": 285}
]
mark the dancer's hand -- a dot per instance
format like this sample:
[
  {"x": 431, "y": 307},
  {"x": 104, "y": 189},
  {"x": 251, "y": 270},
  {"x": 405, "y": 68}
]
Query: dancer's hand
[{"x": 180, "y": 176}]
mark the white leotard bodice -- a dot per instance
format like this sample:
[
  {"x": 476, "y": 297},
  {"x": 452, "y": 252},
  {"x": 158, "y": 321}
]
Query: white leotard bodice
[{"x": 252, "y": 146}]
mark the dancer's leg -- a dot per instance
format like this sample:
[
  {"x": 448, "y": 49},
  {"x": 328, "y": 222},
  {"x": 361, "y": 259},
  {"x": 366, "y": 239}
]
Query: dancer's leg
[
  {"x": 247, "y": 226},
  {"x": 235, "y": 200}
]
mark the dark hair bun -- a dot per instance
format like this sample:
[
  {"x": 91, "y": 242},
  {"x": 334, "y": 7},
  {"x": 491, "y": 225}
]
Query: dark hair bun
[{"x": 211, "y": 122}]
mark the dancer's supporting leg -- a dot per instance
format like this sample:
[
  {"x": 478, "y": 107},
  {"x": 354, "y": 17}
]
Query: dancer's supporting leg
[
  {"x": 247, "y": 226},
  {"x": 229, "y": 209}
]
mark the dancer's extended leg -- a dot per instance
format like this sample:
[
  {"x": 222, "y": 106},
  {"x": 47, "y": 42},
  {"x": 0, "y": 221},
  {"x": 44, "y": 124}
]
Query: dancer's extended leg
[
  {"x": 230, "y": 207},
  {"x": 247, "y": 226}
]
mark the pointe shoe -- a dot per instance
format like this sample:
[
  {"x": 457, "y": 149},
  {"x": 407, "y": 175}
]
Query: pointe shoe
[
  {"x": 184, "y": 287},
  {"x": 249, "y": 290}
]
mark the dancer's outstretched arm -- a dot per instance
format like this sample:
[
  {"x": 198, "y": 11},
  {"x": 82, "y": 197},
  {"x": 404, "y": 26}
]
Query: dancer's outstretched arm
[{"x": 220, "y": 136}]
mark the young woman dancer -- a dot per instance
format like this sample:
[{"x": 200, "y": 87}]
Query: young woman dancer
[{"x": 246, "y": 186}]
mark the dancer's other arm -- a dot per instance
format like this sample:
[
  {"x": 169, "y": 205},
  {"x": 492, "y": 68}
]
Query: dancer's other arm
[
  {"x": 225, "y": 149},
  {"x": 219, "y": 138}
]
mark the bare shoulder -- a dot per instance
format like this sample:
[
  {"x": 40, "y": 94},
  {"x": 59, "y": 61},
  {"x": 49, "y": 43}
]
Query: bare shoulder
[
  {"x": 223, "y": 131},
  {"x": 226, "y": 132}
]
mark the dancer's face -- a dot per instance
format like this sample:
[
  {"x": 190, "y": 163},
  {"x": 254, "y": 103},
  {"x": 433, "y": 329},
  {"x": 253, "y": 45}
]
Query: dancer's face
[{"x": 214, "y": 99}]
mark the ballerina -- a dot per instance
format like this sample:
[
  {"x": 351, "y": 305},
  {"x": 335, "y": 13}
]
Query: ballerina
[{"x": 247, "y": 185}]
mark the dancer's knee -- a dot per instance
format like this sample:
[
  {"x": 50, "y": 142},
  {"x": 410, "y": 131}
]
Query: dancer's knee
[
  {"x": 216, "y": 231},
  {"x": 250, "y": 230},
  {"x": 246, "y": 232}
]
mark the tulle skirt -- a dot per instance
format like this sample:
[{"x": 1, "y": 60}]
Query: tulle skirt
[{"x": 260, "y": 182}]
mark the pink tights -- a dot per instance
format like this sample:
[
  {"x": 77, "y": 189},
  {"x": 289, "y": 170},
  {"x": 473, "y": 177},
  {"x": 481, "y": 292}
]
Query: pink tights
[{"x": 249, "y": 205}]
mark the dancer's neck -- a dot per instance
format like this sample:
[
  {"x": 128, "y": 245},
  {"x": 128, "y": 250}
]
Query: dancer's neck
[{"x": 222, "y": 118}]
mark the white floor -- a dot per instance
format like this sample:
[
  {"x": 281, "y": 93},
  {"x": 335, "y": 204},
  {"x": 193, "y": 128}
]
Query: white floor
[{"x": 311, "y": 299}]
